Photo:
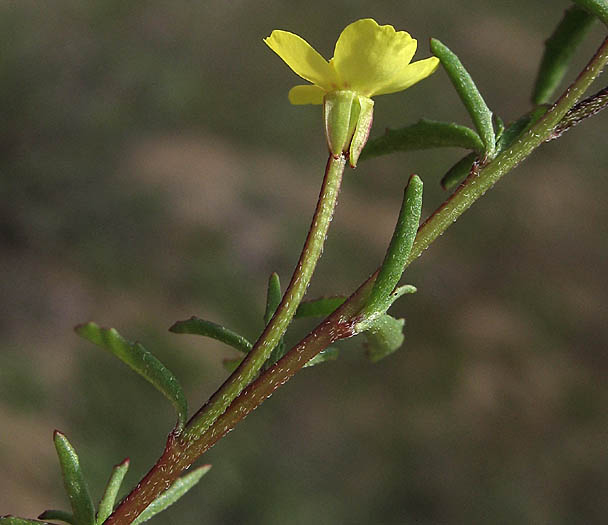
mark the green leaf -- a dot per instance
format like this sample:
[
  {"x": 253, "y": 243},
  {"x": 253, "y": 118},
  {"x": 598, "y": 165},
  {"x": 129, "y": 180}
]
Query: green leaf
[
  {"x": 402, "y": 290},
  {"x": 319, "y": 307},
  {"x": 468, "y": 93},
  {"x": 172, "y": 494},
  {"x": 398, "y": 250},
  {"x": 198, "y": 326},
  {"x": 141, "y": 361},
  {"x": 276, "y": 354},
  {"x": 329, "y": 354},
  {"x": 106, "y": 505},
  {"x": 57, "y": 515},
  {"x": 598, "y": 8},
  {"x": 14, "y": 520},
  {"x": 559, "y": 49},
  {"x": 499, "y": 126},
  {"x": 384, "y": 337},
  {"x": 514, "y": 130},
  {"x": 425, "y": 134},
  {"x": 458, "y": 172},
  {"x": 74, "y": 482},
  {"x": 273, "y": 297},
  {"x": 232, "y": 363}
]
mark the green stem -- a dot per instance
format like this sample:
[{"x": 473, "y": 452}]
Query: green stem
[
  {"x": 294, "y": 294},
  {"x": 340, "y": 324},
  {"x": 179, "y": 452},
  {"x": 481, "y": 181},
  {"x": 219, "y": 416}
]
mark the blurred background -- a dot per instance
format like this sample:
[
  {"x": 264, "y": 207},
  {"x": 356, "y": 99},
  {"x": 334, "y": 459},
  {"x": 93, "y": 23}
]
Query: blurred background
[{"x": 151, "y": 168}]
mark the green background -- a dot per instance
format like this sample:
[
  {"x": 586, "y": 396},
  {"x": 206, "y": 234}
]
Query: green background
[{"x": 151, "y": 168}]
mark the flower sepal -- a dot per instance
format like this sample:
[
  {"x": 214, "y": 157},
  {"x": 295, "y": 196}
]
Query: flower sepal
[{"x": 348, "y": 119}]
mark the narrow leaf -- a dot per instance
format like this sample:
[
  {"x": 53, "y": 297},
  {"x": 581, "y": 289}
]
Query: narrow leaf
[
  {"x": 468, "y": 93},
  {"x": 106, "y": 505},
  {"x": 329, "y": 354},
  {"x": 319, "y": 307},
  {"x": 597, "y": 7},
  {"x": 14, "y": 520},
  {"x": 403, "y": 290},
  {"x": 425, "y": 134},
  {"x": 458, "y": 172},
  {"x": 559, "y": 49},
  {"x": 232, "y": 363},
  {"x": 172, "y": 494},
  {"x": 273, "y": 297},
  {"x": 198, "y": 326},
  {"x": 141, "y": 361},
  {"x": 74, "y": 482},
  {"x": 499, "y": 125},
  {"x": 276, "y": 354},
  {"x": 384, "y": 337},
  {"x": 57, "y": 515},
  {"x": 399, "y": 248},
  {"x": 515, "y": 129}
]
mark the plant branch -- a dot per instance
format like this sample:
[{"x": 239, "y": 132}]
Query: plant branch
[
  {"x": 163, "y": 474},
  {"x": 225, "y": 409},
  {"x": 339, "y": 325},
  {"x": 581, "y": 111}
]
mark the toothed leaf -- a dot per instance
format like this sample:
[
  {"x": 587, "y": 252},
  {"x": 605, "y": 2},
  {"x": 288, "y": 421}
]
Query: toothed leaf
[{"x": 141, "y": 361}]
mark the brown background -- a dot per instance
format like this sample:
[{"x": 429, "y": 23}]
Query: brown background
[{"x": 151, "y": 168}]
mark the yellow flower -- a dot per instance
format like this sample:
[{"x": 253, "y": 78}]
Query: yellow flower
[{"x": 369, "y": 59}]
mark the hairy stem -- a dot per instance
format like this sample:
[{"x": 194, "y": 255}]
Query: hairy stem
[
  {"x": 339, "y": 324},
  {"x": 311, "y": 252},
  {"x": 177, "y": 455},
  {"x": 226, "y": 408}
]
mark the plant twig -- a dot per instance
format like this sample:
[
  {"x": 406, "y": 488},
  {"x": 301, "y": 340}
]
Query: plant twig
[
  {"x": 175, "y": 457},
  {"x": 182, "y": 451},
  {"x": 581, "y": 111}
]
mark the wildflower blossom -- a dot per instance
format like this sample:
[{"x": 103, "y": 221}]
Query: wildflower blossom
[{"x": 369, "y": 60}]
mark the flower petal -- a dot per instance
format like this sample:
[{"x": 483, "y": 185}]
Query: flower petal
[
  {"x": 300, "y": 56},
  {"x": 306, "y": 95},
  {"x": 367, "y": 55},
  {"x": 409, "y": 75}
]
